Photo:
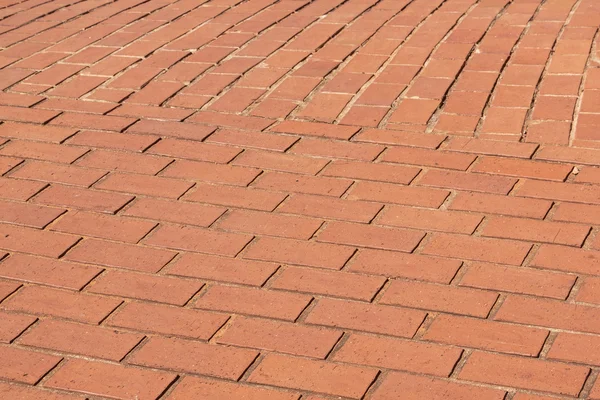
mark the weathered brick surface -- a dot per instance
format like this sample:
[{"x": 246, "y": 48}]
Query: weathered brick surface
[{"x": 300, "y": 199}]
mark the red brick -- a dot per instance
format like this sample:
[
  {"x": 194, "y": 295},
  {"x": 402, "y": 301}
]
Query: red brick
[
  {"x": 12, "y": 325},
  {"x": 569, "y": 154},
  {"x": 588, "y": 292},
  {"x": 172, "y": 211},
  {"x": 539, "y": 231},
  {"x": 476, "y": 248},
  {"x": 198, "y": 239},
  {"x": 466, "y": 103},
  {"x": 15, "y": 391},
  {"x": 17, "y": 189},
  {"x": 522, "y": 75},
  {"x": 368, "y": 171},
  {"x": 26, "y": 115},
  {"x": 492, "y": 147},
  {"x": 166, "y": 320},
  {"x": 76, "y": 106},
  {"x": 8, "y": 163},
  {"x": 318, "y": 206},
  {"x": 411, "y": 387},
  {"x": 161, "y": 289},
  {"x": 366, "y": 317},
  {"x": 254, "y": 301},
  {"x": 280, "y": 336},
  {"x": 235, "y": 196},
  {"x": 567, "y": 259},
  {"x": 486, "y": 335},
  {"x": 130, "y": 162},
  {"x": 572, "y": 212},
  {"x": 44, "y": 243},
  {"x": 172, "y": 129},
  {"x": 146, "y": 185},
  {"x": 370, "y": 236},
  {"x": 575, "y": 348},
  {"x": 303, "y": 184},
  {"x": 208, "y": 172},
  {"x": 231, "y": 121},
  {"x": 84, "y": 199},
  {"x": 336, "y": 149},
  {"x": 380, "y": 94},
  {"x": 526, "y": 373},
  {"x": 414, "y": 111},
  {"x": 198, "y": 388},
  {"x": 560, "y": 191},
  {"x": 27, "y": 214},
  {"x": 103, "y": 226},
  {"x": 549, "y": 313},
  {"x": 35, "y": 132},
  {"x": 151, "y": 111},
  {"x": 60, "y": 303},
  {"x": 194, "y": 150},
  {"x": 588, "y": 175},
  {"x": 518, "y": 280},
  {"x": 527, "y": 396},
  {"x": 58, "y": 173},
  {"x": 522, "y": 168},
  {"x": 89, "y": 121},
  {"x": 180, "y": 354},
  {"x": 313, "y": 375},
  {"x": 47, "y": 271},
  {"x": 468, "y": 181},
  {"x": 111, "y": 380},
  {"x": 316, "y": 129},
  {"x": 324, "y": 107},
  {"x": 257, "y": 140},
  {"x": 280, "y": 162},
  {"x": 120, "y": 255},
  {"x": 269, "y": 224},
  {"x": 513, "y": 96},
  {"x": 75, "y": 338},
  {"x": 439, "y": 297},
  {"x": 43, "y": 151},
  {"x": 398, "y": 354},
  {"x": 495, "y": 204},
  {"x": 388, "y": 193},
  {"x": 329, "y": 283},
  {"x": 430, "y": 220},
  {"x": 24, "y": 365}
]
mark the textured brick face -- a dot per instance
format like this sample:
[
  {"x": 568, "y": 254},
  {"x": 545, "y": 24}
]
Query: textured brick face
[{"x": 300, "y": 199}]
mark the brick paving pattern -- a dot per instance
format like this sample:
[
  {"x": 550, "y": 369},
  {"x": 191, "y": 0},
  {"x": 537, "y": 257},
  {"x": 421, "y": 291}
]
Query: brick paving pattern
[{"x": 300, "y": 199}]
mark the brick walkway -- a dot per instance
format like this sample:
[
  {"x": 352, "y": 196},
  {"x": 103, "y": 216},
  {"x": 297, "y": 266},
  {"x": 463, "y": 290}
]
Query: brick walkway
[{"x": 300, "y": 199}]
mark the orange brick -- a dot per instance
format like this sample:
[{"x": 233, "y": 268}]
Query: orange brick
[
  {"x": 43, "y": 151},
  {"x": 24, "y": 365},
  {"x": 320, "y": 255},
  {"x": 468, "y": 181},
  {"x": 313, "y": 375},
  {"x": 258, "y": 140},
  {"x": 491, "y": 147},
  {"x": 111, "y": 380},
  {"x": 166, "y": 320},
  {"x": 411, "y": 387},
  {"x": 194, "y": 150},
  {"x": 35, "y": 241},
  {"x": 280, "y": 336},
  {"x": 269, "y": 224},
  {"x": 144, "y": 184},
  {"x": 181, "y": 354},
  {"x": 380, "y": 172},
  {"x": 28, "y": 214},
  {"x": 280, "y": 162},
  {"x": 196, "y": 387},
  {"x": 518, "y": 280},
  {"x": 426, "y": 157},
  {"x": 111, "y": 140},
  {"x": 120, "y": 255},
  {"x": 208, "y": 172},
  {"x": 58, "y": 173},
  {"x": 85, "y": 199},
  {"x": 398, "y": 354},
  {"x": 316, "y": 129},
  {"x": 370, "y": 236},
  {"x": 440, "y": 297},
  {"x": 389, "y": 193},
  {"x": 550, "y": 313},
  {"x": 172, "y": 129},
  {"x": 366, "y": 317},
  {"x": 526, "y": 373},
  {"x": 538, "y": 231},
  {"x": 103, "y": 226},
  {"x": 401, "y": 138},
  {"x": 567, "y": 259},
  {"x": 234, "y": 196},
  {"x": 75, "y": 338},
  {"x": 8, "y": 163},
  {"x": 59, "y": 303},
  {"x": 302, "y": 184},
  {"x": 503, "y": 205},
  {"x": 17, "y": 189},
  {"x": 121, "y": 161},
  {"x": 575, "y": 348},
  {"x": 430, "y": 220},
  {"x": 12, "y": 325},
  {"x": 43, "y": 133},
  {"x": 588, "y": 292},
  {"x": 522, "y": 168},
  {"x": 89, "y": 121},
  {"x": 560, "y": 191},
  {"x": 331, "y": 283},
  {"x": 476, "y": 248},
  {"x": 318, "y": 206},
  {"x": 47, "y": 271},
  {"x": 572, "y": 212},
  {"x": 486, "y": 335}
]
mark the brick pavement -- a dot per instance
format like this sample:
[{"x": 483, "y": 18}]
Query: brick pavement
[{"x": 300, "y": 199}]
